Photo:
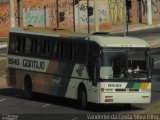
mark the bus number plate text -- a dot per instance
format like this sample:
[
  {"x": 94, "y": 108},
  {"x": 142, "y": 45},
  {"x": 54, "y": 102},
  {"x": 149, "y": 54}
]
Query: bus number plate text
[
  {"x": 13, "y": 61},
  {"x": 114, "y": 85}
]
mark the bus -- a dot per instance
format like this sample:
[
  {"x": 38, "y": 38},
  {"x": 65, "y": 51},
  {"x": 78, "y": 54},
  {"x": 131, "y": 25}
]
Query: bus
[{"x": 92, "y": 68}]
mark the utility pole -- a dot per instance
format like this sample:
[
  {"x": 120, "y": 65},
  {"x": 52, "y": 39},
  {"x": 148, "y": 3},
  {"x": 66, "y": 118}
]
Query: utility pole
[
  {"x": 57, "y": 5},
  {"x": 12, "y": 15},
  {"x": 74, "y": 25},
  {"x": 45, "y": 17},
  {"x": 96, "y": 16},
  {"x": 149, "y": 12},
  {"x": 20, "y": 13},
  {"x": 125, "y": 19},
  {"x": 88, "y": 16}
]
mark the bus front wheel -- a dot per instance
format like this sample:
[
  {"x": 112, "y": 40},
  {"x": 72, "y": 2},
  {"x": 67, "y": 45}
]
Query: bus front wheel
[
  {"x": 28, "y": 89},
  {"x": 127, "y": 106},
  {"x": 82, "y": 97}
]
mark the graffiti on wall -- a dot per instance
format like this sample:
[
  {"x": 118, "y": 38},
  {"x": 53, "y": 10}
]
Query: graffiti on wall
[
  {"x": 83, "y": 13},
  {"x": 36, "y": 16},
  {"x": 144, "y": 7},
  {"x": 52, "y": 15},
  {"x": 156, "y": 6},
  {"x": 65, "y": 13},
  {"x": 116, "y": 8},
  {"x": 4, "y": 17},
  {"x": 102, "y": 13}
]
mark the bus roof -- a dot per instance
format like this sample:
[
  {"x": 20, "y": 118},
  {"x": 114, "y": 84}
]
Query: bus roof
[
  {"x": 54, "y": 33},
  {"x": 112, "y": 41},
  {"x": 102, "y": 40}
]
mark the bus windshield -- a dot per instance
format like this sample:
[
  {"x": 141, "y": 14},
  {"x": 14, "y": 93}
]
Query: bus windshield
[{"x": 124, "y": 64}]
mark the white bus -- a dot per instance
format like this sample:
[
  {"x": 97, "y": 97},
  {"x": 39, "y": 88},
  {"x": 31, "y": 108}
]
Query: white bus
[{"x": 93, "y": 68}]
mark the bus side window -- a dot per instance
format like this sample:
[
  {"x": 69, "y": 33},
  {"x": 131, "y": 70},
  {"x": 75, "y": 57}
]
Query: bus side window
[
  {"x": 54, "y": 49},
  {"x": 37, "y": 51},
  {"x": 28, "y": 46},
  {"x": 66, "y": 50},
  {"x": 92, "y": 58},
  {"x": 59, "y": 48},
  {"x": 15, "y": 45},
  {"x": 40, "y": 47},
  {"x": 75, "y": 52},
  {"x": 19, "y": 46},
  {"x": 83, "y": 52},
  {"x": 44, "y": 48},
  {"x": 48, "y": 48},
  {"x": 72, "y": 51},
  {"x": 63, "y": 50},
  {"x": 80, "y": 52}
]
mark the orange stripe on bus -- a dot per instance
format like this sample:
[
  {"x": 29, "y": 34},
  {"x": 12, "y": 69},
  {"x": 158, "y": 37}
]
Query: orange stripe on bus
[{"x": 144, "y": 85}]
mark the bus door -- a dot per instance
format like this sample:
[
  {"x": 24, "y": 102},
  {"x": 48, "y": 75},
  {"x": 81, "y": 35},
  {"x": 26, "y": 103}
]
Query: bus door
[{"x": 92, "y": 83}]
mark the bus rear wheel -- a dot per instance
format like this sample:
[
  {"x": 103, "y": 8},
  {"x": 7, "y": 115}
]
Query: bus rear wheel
[
  {"x": 28, "y": 89},
  {"x": 127, "y": 106},
  {"x": 82, "y": 97}
]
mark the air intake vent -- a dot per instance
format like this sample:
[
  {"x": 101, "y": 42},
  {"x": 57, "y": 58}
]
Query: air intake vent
[{"x": 101, "y": 33}]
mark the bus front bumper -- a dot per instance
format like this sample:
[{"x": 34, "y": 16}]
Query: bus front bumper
[{"x": 109, "y": 98}]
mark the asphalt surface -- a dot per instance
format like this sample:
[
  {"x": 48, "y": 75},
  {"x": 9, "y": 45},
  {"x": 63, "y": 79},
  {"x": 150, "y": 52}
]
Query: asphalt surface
[{"x": 13, "y": 102}]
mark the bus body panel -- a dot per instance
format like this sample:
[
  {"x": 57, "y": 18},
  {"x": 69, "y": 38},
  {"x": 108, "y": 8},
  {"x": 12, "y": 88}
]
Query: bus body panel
[
  {"x": 49, "y": 81},
  {"x": 80, "y": 76}
]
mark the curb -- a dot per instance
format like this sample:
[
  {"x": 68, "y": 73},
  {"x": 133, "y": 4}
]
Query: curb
[
  {"x": 145, "y": 27},
  {"x": 3, "y": 37},
  {"x": 3, "y": 46},
  {"x": 3, "y": 81},
  {"x": 138, "y": 28}
]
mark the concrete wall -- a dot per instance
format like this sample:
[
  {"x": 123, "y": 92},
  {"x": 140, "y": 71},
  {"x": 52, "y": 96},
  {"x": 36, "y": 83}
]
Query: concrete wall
[{"x": 39, "y": 13}]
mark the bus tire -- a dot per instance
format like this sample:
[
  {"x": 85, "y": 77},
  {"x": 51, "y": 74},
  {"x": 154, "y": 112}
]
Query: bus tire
[
  {"x": 82, "y": 98},
  {"x": 127, "y": 106},
  {"x": 28, "y": 88}
]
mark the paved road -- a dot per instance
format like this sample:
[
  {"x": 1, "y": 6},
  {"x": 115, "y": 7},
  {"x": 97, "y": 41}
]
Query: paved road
[{"x": 13, "y": 101}]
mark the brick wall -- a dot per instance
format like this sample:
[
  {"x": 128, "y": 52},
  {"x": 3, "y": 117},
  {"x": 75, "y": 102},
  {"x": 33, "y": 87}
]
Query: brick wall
[
  {"x": 139, "y": 11},
  {"x": 156, "y": 10},
  {"x": 110, "y": 14},
  {"x": 4, "y": 20},
  {"x": 133, "y": 11}
]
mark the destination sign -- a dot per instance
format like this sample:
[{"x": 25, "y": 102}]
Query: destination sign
[{"x": 27, "y": 63}]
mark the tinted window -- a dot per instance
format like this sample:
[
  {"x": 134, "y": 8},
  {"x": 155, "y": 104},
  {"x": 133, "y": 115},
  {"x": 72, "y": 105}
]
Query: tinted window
[
  {"x": 15, "y": 45},
  {"x": 28, "y": 46}
]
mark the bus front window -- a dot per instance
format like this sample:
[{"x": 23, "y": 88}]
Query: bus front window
[
  {"x": 137, "y": 65},
  {"x": 113, "y": 63},
  {"x": 124, "y": 64}
]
